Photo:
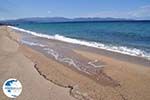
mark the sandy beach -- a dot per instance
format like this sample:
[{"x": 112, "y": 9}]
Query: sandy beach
[
  {"x": 112, "y": 77},
  {"x": 14, "y": 64}
]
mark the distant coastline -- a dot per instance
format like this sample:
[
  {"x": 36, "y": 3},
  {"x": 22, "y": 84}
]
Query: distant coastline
[{"x": 68, "y": 20}]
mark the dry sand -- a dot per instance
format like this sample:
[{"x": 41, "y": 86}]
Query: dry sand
[
  {"x": 13, "y": 64},
  {"x": 46, "y": 79}
]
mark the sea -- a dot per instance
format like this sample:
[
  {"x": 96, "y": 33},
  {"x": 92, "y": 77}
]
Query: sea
[{"x": 126, "y": 37}]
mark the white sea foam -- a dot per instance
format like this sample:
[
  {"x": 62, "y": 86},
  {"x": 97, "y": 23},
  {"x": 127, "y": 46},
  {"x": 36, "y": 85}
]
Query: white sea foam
[
  {"x": 92, "y": 63},
  {"x": 33, "y": 43},
  {"x": 69, "y": 61},
  {"x": 52, "y": 52},
  {"x": 58, "y": 57},
  {"x": 119, "y": 49}
]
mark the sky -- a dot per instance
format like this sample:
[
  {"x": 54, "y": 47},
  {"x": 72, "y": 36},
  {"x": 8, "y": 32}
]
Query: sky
[{"x": 132, "y": 9}]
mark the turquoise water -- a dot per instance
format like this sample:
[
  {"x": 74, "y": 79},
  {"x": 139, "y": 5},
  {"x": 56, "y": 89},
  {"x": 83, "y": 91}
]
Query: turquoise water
[{"x": 128, "y": 34}]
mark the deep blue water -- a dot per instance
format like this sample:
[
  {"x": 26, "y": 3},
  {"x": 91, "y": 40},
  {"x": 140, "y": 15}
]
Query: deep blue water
[{"x": 129, "y": 34}]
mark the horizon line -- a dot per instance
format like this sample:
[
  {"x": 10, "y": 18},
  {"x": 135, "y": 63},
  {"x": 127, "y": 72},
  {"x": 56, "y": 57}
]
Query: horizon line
[{"x": 72, "y": 18}]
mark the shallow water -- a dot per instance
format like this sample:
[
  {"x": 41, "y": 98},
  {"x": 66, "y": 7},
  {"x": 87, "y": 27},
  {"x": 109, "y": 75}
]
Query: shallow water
[{"x": 132, "y": 38}]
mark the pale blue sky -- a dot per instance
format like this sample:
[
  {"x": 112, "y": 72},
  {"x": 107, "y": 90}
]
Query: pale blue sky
[{"x": 12, "y": 9}]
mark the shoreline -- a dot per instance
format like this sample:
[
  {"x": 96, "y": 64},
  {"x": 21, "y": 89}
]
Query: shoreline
[
  {"x": 124, "y": 50},
  {"x": 133, "y": 78}
]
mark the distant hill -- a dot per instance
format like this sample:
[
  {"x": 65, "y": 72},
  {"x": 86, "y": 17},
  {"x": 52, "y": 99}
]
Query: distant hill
[
  {"x": 63, "y": 19},
  {"x": 60, "y": 19}
]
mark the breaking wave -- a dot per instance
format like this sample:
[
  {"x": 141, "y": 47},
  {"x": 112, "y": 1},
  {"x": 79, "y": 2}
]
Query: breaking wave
[{"x": 119, "y": 49}]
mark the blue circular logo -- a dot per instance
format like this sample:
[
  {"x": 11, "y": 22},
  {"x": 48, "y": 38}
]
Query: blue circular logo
[{"x": 12, "y": 88}]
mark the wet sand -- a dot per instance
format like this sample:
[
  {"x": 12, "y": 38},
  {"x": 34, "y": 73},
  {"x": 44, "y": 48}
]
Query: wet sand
[{"x": 101, "y": 75}]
